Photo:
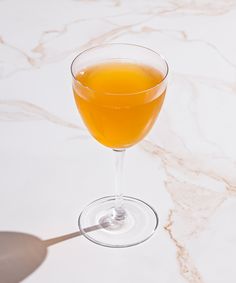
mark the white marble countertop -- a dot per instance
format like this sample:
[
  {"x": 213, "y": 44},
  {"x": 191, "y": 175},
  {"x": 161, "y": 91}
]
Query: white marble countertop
[{"x": 186, "y": 168}]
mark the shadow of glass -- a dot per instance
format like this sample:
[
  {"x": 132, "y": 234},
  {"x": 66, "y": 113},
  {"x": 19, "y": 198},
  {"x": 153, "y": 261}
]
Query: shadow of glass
[{"x": 21, "y": 254}]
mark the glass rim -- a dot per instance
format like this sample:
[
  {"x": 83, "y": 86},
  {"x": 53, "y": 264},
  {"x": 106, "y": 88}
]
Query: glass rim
[{"x": 123, "y": 44}]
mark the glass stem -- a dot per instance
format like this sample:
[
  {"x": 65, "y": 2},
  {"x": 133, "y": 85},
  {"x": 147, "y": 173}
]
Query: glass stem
[{"x": 118, "y": 211}]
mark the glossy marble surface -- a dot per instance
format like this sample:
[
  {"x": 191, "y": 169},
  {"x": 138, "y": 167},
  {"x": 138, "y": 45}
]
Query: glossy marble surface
[{"x": 50, "y": 166}]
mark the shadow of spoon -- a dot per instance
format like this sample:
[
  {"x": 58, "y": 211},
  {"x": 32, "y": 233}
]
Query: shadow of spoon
[{"x": 21, "y": 254}]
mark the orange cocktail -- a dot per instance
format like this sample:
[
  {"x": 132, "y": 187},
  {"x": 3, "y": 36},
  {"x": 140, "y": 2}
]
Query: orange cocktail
[
  {"x": 119, "y": 90},
  {"x": 119, "y": 101}
]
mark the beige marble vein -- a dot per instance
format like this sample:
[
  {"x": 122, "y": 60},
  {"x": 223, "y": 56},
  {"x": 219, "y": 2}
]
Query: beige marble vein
[
  {"x": 202, "y": 7},
  {"x": 19, "y": 111},
  {"x": 191, "y": 7},
  {"x": 193, "y": 207},
  {"x": 227, "y": 87},
  {"x": 28, "y": 58},
  {"x": 24, "y": 62},
  {"x": 39, "y": 54},
  {"x": 193, "y": 204},
  {"x": 42, "y": 57},
  {"x": 182, "y": 35},
  {"x": 186, "y": 265},
  {"x": 196, "y": 165}
]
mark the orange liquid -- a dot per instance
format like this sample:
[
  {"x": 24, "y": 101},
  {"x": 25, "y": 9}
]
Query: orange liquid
[{"x": 119, "y": 102}]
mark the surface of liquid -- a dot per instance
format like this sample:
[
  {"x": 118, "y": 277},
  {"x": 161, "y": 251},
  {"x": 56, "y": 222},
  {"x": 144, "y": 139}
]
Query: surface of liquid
[{"x": 119, "y": 101}]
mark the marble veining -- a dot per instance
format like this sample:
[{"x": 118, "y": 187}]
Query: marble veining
[{"x": 191, "y": 150}]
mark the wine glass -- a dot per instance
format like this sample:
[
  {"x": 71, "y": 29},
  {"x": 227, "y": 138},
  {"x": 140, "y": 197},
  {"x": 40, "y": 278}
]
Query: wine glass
[{"x": 119, "y": 90}]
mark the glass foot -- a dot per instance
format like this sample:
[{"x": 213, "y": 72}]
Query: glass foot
[{"x": 129, "y": 225}]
